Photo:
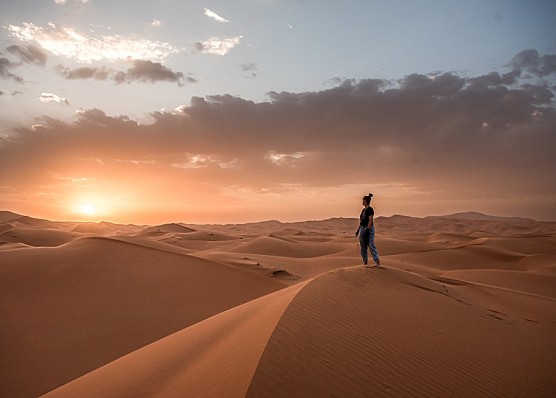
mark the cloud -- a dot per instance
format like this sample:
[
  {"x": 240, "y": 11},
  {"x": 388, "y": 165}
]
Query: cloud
[
  {"x": 62, "y": 2},
  {"x": 494, "y": 79},
  {"x": 13, "y": 93},
  {"x": 98, "y": 73},
  {"x": 537, "y": 94},
  {"x": 199, "y": 161},
  {"x": 5, "y": 70},
  {"x": 29, "y": 54},
  {"x": 428, "y": 85},
  {"x": 156, "y": 23},
  {"x": 286, "y": 159},
  {"x": 88, "y": 47},
  {"x": 252, "y": 67},
  {"x": 439, "y": 139},
  {"x": 249, "y": 67},
  {"x": 150, "y": 72},
  {"x": 213, "y": 15},
  {"x": 531, "y": 61},
  {"x": 334, "y": 81},
  {"x": 49, "y": 97},
  {"x": 218, "y": 46},
  {"x": 141, "y": 71}
]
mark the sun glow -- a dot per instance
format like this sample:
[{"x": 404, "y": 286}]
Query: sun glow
[{"x": 87, "y": 210}]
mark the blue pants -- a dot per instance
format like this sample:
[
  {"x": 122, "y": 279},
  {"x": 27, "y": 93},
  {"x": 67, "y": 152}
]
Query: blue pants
[{"x": 367, "y": 241}]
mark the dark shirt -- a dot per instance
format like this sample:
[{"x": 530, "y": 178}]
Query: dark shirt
[{"x": 366, "y": 213}]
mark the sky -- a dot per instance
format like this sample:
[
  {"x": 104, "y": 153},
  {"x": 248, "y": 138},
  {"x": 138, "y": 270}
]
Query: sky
[{"x": 229, "y": 112}]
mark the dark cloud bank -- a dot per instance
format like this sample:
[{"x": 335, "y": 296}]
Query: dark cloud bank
[{"x": 490, "y": 138}]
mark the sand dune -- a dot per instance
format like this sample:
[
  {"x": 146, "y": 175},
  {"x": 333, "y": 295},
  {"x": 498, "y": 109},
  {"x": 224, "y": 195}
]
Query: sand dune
[
  {"x": 361, "y": 333},
  {"x": 165, "y": 229},
  {"x": 31, "y": 236},
  {"x": 71, "y": 309},
  {"x": 105, "y": 228},
  {"x": 216, "y": 357},
  {"x": 286, "y": 248},
  {"x": 353, "y": 332},
  {"x": 465, "y": 307}
]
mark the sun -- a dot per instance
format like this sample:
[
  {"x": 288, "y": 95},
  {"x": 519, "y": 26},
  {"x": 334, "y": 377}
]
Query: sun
[
  {"x": 90, "y": 207},
  {"x": 87, "y": 209}
]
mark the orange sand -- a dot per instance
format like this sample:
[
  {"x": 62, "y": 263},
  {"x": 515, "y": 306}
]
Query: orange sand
[{"x": 466, "y": 306}]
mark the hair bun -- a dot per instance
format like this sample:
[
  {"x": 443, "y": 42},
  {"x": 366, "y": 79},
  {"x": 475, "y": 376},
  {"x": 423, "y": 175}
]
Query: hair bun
[{"x": 370, "y": 195}]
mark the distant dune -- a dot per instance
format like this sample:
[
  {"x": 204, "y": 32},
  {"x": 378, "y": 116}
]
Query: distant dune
[
  {"x": 465, "y": 307},
  {"x": 472, "y": 215}
]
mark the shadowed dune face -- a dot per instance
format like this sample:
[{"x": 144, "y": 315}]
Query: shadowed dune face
[{"x": 465, "y": 305}]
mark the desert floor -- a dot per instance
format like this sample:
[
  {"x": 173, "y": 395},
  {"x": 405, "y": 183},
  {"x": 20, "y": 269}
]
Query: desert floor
[{"x": 465, "y": 307}]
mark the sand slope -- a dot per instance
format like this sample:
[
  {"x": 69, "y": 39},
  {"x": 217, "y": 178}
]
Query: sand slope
[{"x": 68, "y": 310}]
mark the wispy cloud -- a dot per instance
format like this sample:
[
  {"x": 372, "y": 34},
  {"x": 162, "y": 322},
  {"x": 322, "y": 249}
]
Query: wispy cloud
[
  {"x": 249, "y": 67},
  {"x": 252, "y": 67},
  {"x": 334, "y": 81},
  {"x": 88, "y": 47},
  {"x": 62, "y": 2},
  {"x": 5, "y": 70},
  {"x": 86, "y": 72},
  {"x": 213, "y": 15},
  {"x": 156, "y": 23},
  {"x": 29, "y": 54},
  {"x": 10, "y": 94},
  {"x": 49, "y": 97},
  {"x": 217, "y": 45},
  {"x": 286, "y": 159},
  {"x": 201, "y": 161},
  {"x": 140, "y": 71}
]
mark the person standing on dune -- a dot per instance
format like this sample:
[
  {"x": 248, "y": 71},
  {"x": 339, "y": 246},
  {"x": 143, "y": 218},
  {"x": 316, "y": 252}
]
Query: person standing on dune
[{"x": 366, "y": 231}]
